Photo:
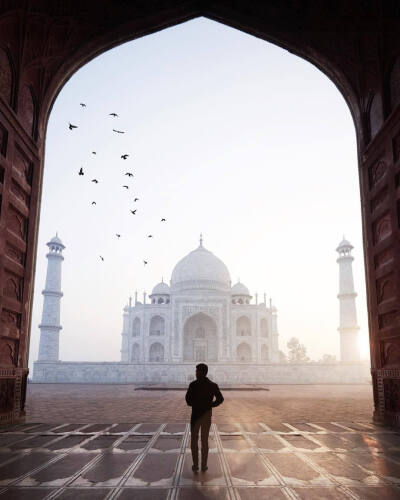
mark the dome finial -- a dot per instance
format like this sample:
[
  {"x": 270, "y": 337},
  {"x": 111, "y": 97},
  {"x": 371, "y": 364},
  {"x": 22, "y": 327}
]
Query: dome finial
[{"x": 201, "y": 239}]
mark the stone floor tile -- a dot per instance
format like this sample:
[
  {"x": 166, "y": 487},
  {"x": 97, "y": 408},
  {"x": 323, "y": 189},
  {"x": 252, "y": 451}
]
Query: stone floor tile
[
  {"x": 156, "y": 469},
  {"x": 144, "y": 494},
  {"x": 268, "y": 442},
  {"x": 332, "y": 441},
  {"x": 278, "y": 427},
  {"x": 148, "y": 428},
  {"x": 168, "y": 443},
  {"x": 100, "y": 442},
  {"x": 235, "y": 442},
  {"x": 13, "y": 470},
  {"x": 294, "y": 470},
  {"x": 377, "y": 493},
  {"x": 67, "y": 442},
  {"x": 106, "y": 472},
  {"x": 330, "y": 426},
  {"x": 213, "y": 476},
  {"x": 228, "y": 428},
  {"x": 318, "y": 493},
  {"x": 25, "y": 493},
  {"x": 69, "y": 428},
  {"x": 261, "y": 493},
  {"x": 134, "y": 443},
  {"x": 175, "y": 428},
  {"x": 33, "y": 442},
  {"x": 375, "y": 465},
  {"x": 203, "y": 493},
  {"x": 121, "y": 428},
  {"x": 83, "y": 494},
  {"x": 252, "y": 427},
  {"x": 300, "y": 442},
  {"x": 363, "y": 441},
  {"x": 301, "y": 426},
  {"x": 345, "y": 473},
  {"x": 249, "y": 469},
  {"x": 7, "y": 439},
  {"x": 96, "y": 428},
  {"x": 58, "y": 473}
]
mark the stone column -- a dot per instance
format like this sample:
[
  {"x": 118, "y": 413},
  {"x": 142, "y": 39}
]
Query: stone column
[
  {"x": 348, "y": 328},
  {"x": 50, "y": 326},
  {"x": 275, "y": 335}
]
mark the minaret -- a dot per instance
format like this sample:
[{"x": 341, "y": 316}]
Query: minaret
[
  {"x": 50, "y": 326},
  {"x": 348, "y": 328}
]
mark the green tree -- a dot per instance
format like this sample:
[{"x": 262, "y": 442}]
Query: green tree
[
  {"x": 297, "y": 351},
  {"x": 282, "y": 357},
  {"x": 328, "y": 358}
]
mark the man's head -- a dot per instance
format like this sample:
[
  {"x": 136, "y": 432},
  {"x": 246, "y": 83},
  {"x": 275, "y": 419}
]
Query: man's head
[{"x": 201, "y": 370}]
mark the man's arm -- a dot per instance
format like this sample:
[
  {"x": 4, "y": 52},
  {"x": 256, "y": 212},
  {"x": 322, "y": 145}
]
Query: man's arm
[
  {"x": 218, "y": 397},
  {"x": 189, "y": 395}
]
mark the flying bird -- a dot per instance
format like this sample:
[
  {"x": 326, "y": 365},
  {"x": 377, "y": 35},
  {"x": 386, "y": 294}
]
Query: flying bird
[
  {"x": 114, "y": 115},
  {"x": 163, "y": 220},
  {"x": 118, "y": 131},
  {"x": 124, "y": 157},
  {"x": 150, "y": 236},
  {"x": 129, "y": 174},
  {"x": 102, "y": 258},
  {"x": 93, "y": 203},
  {"x": 95, "y": 181},
  {"x": 136, "y": 199},
  {"x": 81, "y": 171},
  {"x": 82, "y": 104},
  {"x": 133, "y": 212},
  {"x": 145, "y": 262},
  {"x": 70, "y": 126},
  {"x": 127, "y": 187},
  {"x": 94, "y": 153},
  {"x": 118, "y": 235}
]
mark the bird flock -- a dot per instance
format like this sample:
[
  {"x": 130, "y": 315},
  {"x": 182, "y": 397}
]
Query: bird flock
[{"x": 128, "y": 174}]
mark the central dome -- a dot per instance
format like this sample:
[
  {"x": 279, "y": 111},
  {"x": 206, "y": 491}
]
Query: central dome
[{"x": 200, "y": 269}]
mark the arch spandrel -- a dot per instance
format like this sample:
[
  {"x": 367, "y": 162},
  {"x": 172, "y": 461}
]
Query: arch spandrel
[{"x": 340, "y": 38}]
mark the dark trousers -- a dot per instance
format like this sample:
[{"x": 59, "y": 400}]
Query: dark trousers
[{"x": 202, "y": 424}]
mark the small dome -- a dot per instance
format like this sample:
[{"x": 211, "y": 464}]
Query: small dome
[
  {"x": 56, "y": 241},
  {"x": 161, "y": 289},
  {"x": 344, "y": 245},
  {"x": 240, "y": 289}
]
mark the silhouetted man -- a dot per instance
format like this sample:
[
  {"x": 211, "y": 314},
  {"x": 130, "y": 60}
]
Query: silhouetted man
[{"x": 200, "y": 396}]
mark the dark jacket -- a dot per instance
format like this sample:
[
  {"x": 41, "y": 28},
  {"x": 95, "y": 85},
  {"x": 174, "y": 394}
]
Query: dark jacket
[{"x": 200, "y": 396}]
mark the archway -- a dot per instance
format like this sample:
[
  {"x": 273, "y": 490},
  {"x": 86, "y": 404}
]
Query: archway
[
  {"x": 157, "y": 326},
  {"x": 136, "y": 328},
  {"x": 243, "y": 353},
  {"x": 243, "y": 326},
  {"x": 156, "y": 352},
  {"x": 135, "y": 358},
  {"x": 200, "y": 340},
  {"x": 37, "y": 77},
  {"x": 264, "y": 327}
]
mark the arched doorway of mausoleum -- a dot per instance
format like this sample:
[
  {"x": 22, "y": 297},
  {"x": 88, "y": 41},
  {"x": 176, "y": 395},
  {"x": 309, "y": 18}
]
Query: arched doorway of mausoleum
[
  {"x": 200, "y": 341},
  {"x": 243, "y": 353}
]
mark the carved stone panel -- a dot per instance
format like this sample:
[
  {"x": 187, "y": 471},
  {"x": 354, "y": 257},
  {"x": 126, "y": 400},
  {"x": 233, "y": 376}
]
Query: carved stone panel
[
  {"x": 379, "y": 199},
  {"x": 391, "y": 354},
  {"x": 376, "y": 172},
  {"x": 12, "y": 287},
  {"x": 396, "y": 147},
  {"x": 19, "y": 193},
  {"x": 386, "y": 289},
  {"x": 23, "y": 165},
  {"x": 8, "y": 351},
  {"x": 384, "y": 257},
  {"x": 388, "y": 319},
  {"x": 7, "y": 390},
  {"x": 10, "y": 323},
  {"x": 17, "y": 223},
  {"x": 15, "y": 254},
  {"x": 391, "y": 389},
  {"x": 26, "y": 109},
  {"x": 382, "y": 228}
]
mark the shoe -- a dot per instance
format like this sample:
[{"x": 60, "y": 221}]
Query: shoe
[
  {"x": 203, "y": 469},
  {"x": 195, "y": 468}
]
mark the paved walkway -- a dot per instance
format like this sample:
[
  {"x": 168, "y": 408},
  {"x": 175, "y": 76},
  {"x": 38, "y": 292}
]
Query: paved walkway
[
  {"x": 121, "y": 403},
  {"x": 247, "y": 461}
]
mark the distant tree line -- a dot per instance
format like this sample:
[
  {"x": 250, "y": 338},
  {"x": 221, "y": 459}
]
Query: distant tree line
[{"x": 297, "y": 353}]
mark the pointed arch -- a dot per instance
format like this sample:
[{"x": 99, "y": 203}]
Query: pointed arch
[
  {"x": 243, "y": 326},
  {"x": 243, "y": 353},
  {"x": 156, "y": 352},
  {"x": 157, "y": 326}
]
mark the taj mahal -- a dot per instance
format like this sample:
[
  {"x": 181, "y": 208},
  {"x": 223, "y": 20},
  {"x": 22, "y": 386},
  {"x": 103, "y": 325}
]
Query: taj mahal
[{"x": 198, "y": 317}]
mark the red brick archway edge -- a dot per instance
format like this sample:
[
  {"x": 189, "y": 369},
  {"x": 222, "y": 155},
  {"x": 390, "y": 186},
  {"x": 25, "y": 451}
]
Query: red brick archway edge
[{"x": 43, "y": 42}]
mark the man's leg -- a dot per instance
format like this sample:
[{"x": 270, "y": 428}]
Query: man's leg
[
  {"x": 194, "y": 442},
  {"x": 205, "y": 430}
]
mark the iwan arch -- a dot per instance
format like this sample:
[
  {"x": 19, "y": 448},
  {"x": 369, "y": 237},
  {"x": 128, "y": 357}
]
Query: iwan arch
[{"x": 356, "y": 44}]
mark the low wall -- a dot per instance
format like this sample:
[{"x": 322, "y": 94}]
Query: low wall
[{"x": 72, "y": 372}]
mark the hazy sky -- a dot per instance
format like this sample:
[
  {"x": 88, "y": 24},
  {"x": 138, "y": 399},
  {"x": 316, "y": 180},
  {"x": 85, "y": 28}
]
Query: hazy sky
[{"x": 228, "y": 135}]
